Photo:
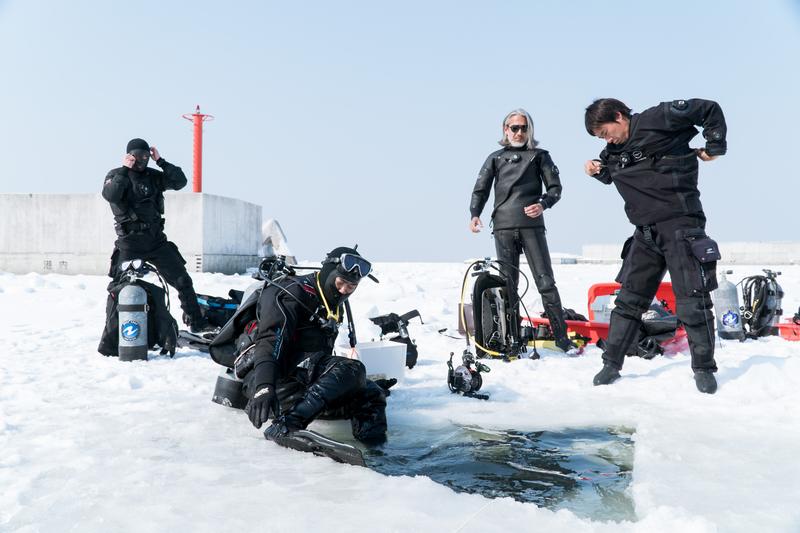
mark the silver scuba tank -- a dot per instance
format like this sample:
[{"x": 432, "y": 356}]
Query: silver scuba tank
[
  {"x": 132, "y": 315},
  {"x": 774, "y": 300},
  {"x": 726, "y": 308}
]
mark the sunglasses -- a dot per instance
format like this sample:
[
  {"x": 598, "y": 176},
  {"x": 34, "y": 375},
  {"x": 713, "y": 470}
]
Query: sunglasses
[{"x": 516, "y": 128}]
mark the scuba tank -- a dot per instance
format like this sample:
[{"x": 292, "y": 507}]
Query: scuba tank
[
  {"x": 132, "y": 314},
  {"x": 498, "y": 331},
  {"x": 774, "y": 300},
  {"x": 761, "y": 304},
  {"x": 726, "y": 308}
]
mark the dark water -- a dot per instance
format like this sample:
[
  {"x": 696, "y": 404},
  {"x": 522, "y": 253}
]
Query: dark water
[{"x": 584, "y": 470}]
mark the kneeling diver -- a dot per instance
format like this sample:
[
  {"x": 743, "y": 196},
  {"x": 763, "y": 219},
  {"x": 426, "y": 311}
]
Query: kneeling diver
[{"x": 292, "y": 374}]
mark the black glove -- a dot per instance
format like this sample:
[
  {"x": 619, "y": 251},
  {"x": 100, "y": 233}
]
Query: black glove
[{"x": 264, "y": 401}]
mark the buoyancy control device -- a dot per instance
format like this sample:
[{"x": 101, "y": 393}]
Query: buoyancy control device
[
  {"x": 235, "y": 339},
  {"x": 726, "y": 309},
  {"x": 137, "y": 315},
  {"x": 498, "y": 330},
  {"x": 761, "y": 304}
]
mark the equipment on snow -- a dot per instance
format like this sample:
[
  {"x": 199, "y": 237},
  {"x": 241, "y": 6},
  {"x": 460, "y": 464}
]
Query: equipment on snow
[
  {"x": 228, "y": 390},
  {"x": 498, "y": 332},
  {"x": 761, "y": 304},
  {"x": 137, "y": 315},
  {"x": 132, "y": 318},
  {"x": 726, "y": 308},
  {"x": 217, "y": 311},
  {"x": 394, "y": 323},
  {"x": 464, "y": 379}
]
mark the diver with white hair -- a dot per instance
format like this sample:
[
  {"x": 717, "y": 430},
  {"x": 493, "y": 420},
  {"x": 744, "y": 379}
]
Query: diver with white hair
[{"x": 526, "y": 182}]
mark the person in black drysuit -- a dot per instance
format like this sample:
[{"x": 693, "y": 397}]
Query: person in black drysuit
[
  {"x": 518, "y": 171},
  {"x": 649, "y": 160},
  {"x": 136, "y": 195},
  {"x": 295, "y": 378}
]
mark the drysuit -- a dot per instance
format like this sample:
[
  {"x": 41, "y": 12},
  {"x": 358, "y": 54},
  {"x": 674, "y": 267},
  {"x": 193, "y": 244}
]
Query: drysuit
[
  {"x": 518, "y": 175},
  {"x": 137, "y": 202},
  {"x": 656, "y": 172},
  {"x": 292, "y": 355}
]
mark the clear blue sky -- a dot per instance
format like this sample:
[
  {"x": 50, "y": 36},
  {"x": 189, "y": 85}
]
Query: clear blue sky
[{"x": 365, "y": 122}]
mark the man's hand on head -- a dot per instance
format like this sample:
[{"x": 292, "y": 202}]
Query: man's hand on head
[
  {"x": 154, "y": 153},
  {"x": 128, "y": 160}
]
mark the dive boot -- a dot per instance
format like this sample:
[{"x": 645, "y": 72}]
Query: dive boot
[
  {"x": 566, "y": 345},
  {"x": 558, "y": 326},
  {"x": 705, "y": 381},
  {"x": 608, "y": 375},
  {"x": 197, "y": 323}
]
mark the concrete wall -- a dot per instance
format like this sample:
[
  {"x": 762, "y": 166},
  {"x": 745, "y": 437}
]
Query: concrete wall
[
  {"x": 757, "y": 253},
  {"x": 74, "y": 233},
  {"x": 743, "y": 253},
  {"x": 601, "y": 253},
  {"x": 227, "y": 240}
]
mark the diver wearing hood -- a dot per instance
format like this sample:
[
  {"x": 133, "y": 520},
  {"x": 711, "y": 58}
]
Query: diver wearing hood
[
  {"x": 295, "y": 377},
  {"x": 136, "y": 195}
]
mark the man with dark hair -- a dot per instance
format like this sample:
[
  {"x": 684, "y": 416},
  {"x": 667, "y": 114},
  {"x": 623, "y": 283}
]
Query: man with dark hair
[
  {"x": 648, "y": 158},
  {"x": 291, "y": 374},
  {"x": 136, "y": 195},
  {"x": 517, "y": 172},
  {"x": 605, "y": 111}
]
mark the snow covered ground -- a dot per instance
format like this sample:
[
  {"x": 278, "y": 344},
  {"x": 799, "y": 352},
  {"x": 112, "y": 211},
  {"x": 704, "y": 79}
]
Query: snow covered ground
[{"x": 91, "y": 444}]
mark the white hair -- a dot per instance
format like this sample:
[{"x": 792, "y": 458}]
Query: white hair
[{"x": 532, "y": 143}]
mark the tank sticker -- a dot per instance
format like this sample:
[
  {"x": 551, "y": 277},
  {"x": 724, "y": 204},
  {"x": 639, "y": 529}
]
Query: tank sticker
[
  {"x": 730, "y": 319},
  {"x": 131, "y": 330}
]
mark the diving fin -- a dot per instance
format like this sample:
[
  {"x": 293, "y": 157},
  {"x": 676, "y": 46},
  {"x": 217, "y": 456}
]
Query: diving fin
[
  {"x": 305, "y": 440},
  {"x": 197, "y": 341}
]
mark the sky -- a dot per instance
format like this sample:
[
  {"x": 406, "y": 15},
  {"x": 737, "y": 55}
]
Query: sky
[{"x": 361, "y": 122}]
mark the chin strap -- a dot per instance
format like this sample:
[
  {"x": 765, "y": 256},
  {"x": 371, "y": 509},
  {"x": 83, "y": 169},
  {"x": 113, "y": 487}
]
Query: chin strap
[{"x": 331, "y": 314}]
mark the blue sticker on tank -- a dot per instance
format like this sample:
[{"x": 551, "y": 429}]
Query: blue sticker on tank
[
  {"x": 730, "y": 319},
  {"x": 131, "y": 330}
]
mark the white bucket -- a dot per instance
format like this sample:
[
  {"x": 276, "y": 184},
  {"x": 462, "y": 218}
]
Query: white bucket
[{"x": 383, "y": 359}]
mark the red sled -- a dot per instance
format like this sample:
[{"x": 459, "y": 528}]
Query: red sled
[
  {"x": 595, "y": 330},
  {"x": 789, "y": 331}
]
